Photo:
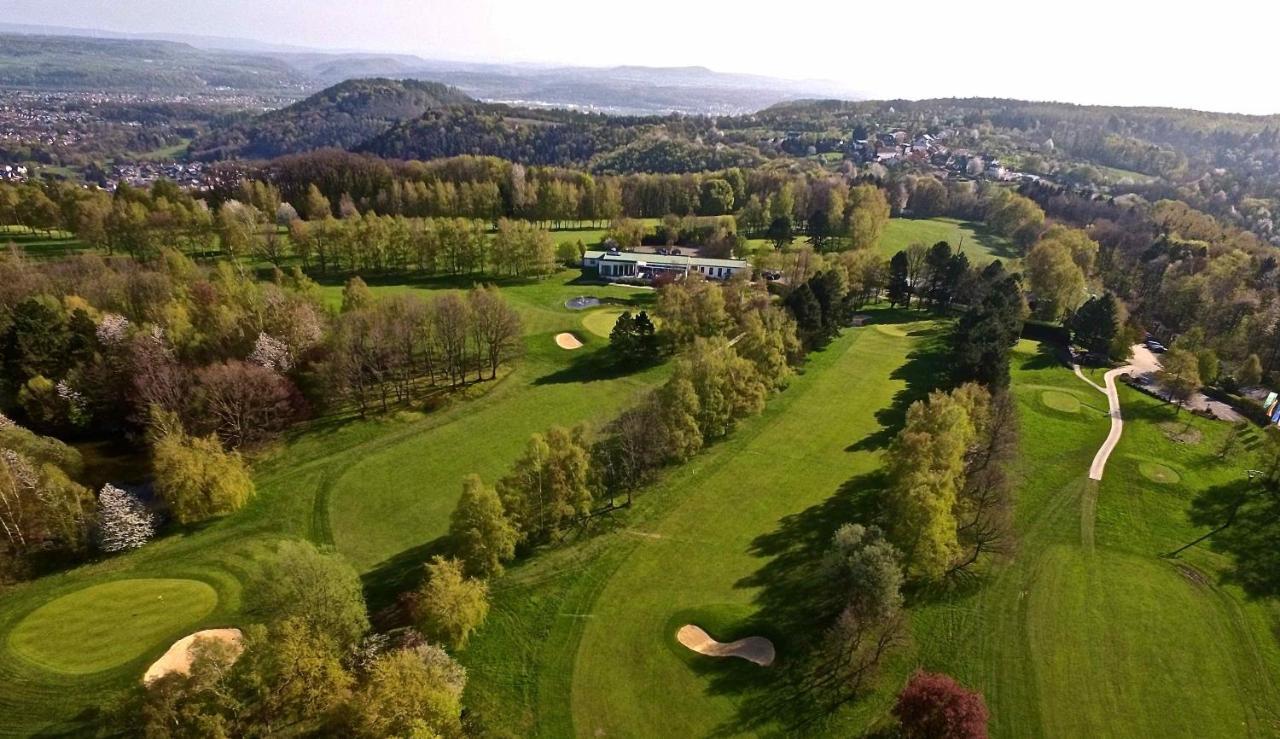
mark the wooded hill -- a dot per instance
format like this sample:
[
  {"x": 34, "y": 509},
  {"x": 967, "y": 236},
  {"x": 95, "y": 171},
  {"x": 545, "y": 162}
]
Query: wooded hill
[{"x": 343, "y": 116}]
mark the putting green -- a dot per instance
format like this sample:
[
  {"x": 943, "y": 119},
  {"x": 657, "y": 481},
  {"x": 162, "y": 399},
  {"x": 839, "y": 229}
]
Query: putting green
[
  {"x": 108, "y": 625},
  {"x": 1060, "y": 401},
  {"x": 1158, "y": 473},
  {"x": 600, "y": 322}
]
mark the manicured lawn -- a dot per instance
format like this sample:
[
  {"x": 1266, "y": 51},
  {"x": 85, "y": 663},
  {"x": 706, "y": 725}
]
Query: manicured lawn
[
  {"x": 1086, "y": 631},
  {"x": 601, "y": 322},
  {"x": 582, "y": 639},
  {"x": 974, "y": 239},
  {"x": 394, "y": 479},
  {"x": 107, "y": 625},
  {"x": 400, "y": 496}
]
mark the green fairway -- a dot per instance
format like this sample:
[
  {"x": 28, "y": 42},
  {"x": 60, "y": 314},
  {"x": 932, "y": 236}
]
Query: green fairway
[
  {"x": 110, "y": 624},
  {"x": 974, "y": 239},
  {"x": 400, "y": 496},
  {"x": 1087, "y": 631},
  {"x": 625, "y": 681}
]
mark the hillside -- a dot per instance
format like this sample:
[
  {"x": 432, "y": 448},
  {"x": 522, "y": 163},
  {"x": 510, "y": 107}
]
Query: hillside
[
  {"x": 343, "y": 116},
  {"x": 158, "y": 67}
]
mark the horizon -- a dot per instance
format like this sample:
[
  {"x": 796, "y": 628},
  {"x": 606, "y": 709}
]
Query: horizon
[{"x": 890, "y": 61}]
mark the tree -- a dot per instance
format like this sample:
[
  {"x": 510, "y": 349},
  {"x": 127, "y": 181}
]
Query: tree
[
  {"x": 1096, "y": 324},
  {"x": 1180, "y": 376},
  {"x": 289, "y": 672},
  {"x": 716, "y": 197},
  {"x": 865, "y": 570},
  {"x": 780, "y": 232},
  {"x": 899, "y": 287},
  {"x": 450, "y": 605},
  {"x": 413, "y": 692},
  {"x": 867, "y": 215},
  {"x": 1250, "y": 372},
  {"x": 320, "y": 589},
  {"x": 1055, "y": 279},
  {"x": 244, "y": 403},
  {"x": 928, "y": 198},
  {"x": 1016, "y": 217},
  {"x": 197, "y": 479},
  {"x": 935, "y": 706},
  {"x": 496, "y": 326},
  {"x": 548, "y": 487},
  {"x": 622, "y": 338},
  {"x": 356, "y": 295},
  {"x": 985, "y": 334},
  {"x": 124, "y": 522},
  {"x": 316, "y": 207},
  {"x": 925, "y": 466},
  {"x": 691, "y": 308},
  {"x": 481, "y": 534}
]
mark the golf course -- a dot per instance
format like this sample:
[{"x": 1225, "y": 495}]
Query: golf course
[{"x": 1081, "y": 630}]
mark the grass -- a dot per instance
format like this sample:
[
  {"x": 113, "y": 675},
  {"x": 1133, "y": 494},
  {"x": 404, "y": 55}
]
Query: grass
[
  {"x": 394, "y": 478},
  {"x": 40, "y": 244},
  {"x": 106, "y": 625},
  {"x": 974, "y": 239},
  {"x": 399, "y": 497},
  {"x": 582, "y": 640},
  {"x": 600, "y": 322},
  {"x": 1086, "y": 631}
]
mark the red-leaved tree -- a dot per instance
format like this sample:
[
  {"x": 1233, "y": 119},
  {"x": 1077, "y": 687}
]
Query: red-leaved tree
[{"x": 935, "y": 706}]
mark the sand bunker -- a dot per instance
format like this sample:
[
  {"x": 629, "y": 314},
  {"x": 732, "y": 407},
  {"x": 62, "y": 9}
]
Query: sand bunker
[
  {"x": 178, "y": 658},
  {"x": 753, "y": 649},
  {"x": 568, "y": 341}
]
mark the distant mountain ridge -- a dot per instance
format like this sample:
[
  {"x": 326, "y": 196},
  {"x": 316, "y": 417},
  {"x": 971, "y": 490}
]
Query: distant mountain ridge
[{"x": 90, "y": 60}]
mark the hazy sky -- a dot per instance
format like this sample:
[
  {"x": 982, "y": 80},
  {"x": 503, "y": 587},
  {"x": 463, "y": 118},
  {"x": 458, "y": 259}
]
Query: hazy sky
[{"x": 1216, "y": 56}]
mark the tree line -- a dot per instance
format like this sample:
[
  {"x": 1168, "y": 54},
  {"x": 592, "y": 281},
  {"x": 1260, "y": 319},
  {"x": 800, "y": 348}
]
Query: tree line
[{"x": 196, "y": 363}]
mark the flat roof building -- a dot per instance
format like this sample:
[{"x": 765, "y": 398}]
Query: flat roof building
[{"x": 630, "y": 266}]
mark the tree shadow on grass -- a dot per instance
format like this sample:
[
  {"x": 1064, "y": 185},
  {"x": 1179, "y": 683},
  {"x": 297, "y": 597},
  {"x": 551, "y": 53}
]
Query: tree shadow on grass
[
  {"x": 589, "y": 367},
  {"x": 794, "y": 608},
  {"x": 384, "y": 584},
  {"x": 923, "y": 372}
]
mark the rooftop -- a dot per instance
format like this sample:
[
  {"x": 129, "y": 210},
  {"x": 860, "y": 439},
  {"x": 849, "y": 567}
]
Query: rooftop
[{"x": 669, "y": 260}]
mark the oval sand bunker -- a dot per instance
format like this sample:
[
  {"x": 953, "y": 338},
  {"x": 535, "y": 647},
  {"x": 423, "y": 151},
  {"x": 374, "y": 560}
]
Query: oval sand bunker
[
  {"x": 755, "y": 649},
  {"x": 568, "y": 341},
  {"x": 178, "y": 657}
]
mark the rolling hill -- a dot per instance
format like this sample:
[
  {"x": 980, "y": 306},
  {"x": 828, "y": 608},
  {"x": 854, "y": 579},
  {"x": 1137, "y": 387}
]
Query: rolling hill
[{"x": 343, "y": 116}]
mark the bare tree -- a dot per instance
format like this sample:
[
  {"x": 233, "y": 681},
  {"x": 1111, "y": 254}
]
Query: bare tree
[
  {"x": 495, "y": 326},
  {"x": 451, "y": 324}
]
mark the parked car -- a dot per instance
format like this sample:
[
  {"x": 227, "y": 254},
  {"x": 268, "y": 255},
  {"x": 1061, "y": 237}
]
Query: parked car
[{"x": 1156, "y": 346}]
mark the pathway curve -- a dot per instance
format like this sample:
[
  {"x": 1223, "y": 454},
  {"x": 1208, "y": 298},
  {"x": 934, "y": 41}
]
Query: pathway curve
[{"x": 1143, "y": 361}]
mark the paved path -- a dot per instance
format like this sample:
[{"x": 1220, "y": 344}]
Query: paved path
[{"x": 1143, "y": 361}]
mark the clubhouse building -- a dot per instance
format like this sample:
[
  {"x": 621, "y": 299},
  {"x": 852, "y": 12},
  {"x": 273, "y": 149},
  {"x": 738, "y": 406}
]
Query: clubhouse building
[{"x": 625, "y": 266}]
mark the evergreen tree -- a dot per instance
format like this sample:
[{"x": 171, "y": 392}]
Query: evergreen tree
[
  {"x": 899, "y": 288},
  {"x": 1095, "y": 324}
]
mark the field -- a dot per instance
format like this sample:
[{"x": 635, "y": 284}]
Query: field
[
  {"x": 41, "y": 244},
  {"x": 974, "y": 239}
]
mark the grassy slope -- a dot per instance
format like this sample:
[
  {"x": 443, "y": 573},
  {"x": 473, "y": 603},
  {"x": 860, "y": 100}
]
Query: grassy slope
[
  {"x": 978, "y": 242},
  {"x": 292, "y": 502},
  {"x": 415, "y": 482},
  {"x": 1086, "y": 632},
  {"x": 581, "y": 639},
  {"x": 628, "y": 680}
]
